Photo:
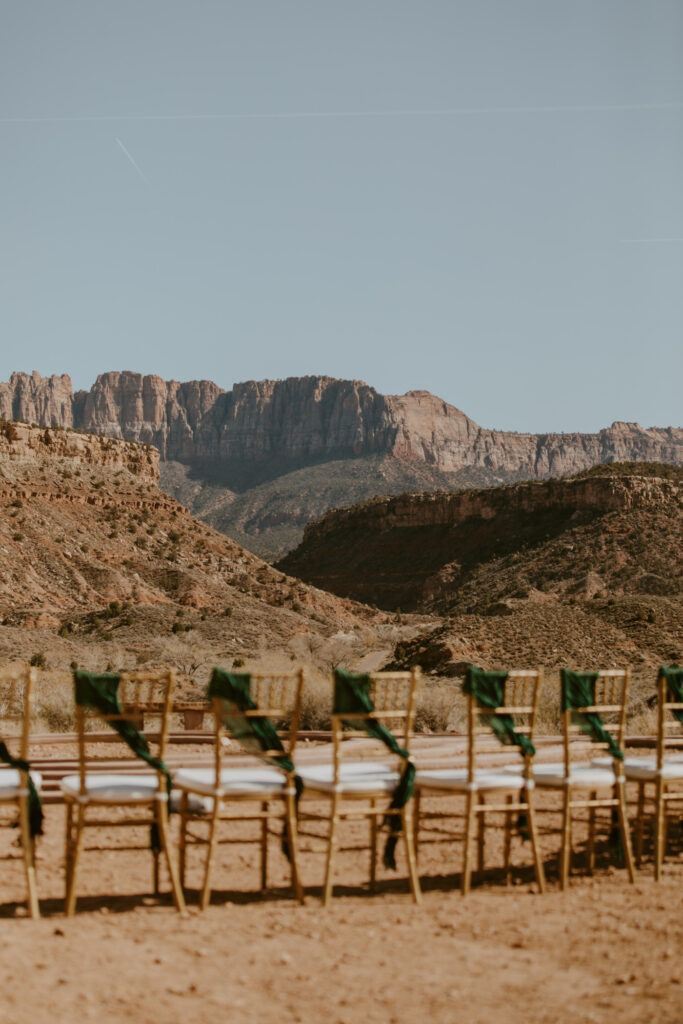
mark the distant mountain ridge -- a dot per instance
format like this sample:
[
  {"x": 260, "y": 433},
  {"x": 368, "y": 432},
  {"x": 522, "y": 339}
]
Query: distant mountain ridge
[{"x": 217, "y": 446}]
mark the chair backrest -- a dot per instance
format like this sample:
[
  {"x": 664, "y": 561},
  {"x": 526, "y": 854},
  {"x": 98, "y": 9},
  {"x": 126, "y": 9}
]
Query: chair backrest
[
  {"x": 609, "y": 695},
  {"x": 669, "y": 714},
  {"x": 393, "y": 696},
  {"x": 277, "y": 696},
  {"x": 16, "y": 691},
  {"x": 519, "y": 709},
  {"x": 145, "y": 699}
]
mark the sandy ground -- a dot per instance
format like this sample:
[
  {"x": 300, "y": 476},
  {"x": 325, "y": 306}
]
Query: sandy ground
[{"x": 603, "y": 951}]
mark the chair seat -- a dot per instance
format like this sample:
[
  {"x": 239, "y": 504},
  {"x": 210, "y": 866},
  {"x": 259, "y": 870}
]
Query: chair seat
[
  {"x": 107, "y": 788},
  {"x": 581, "y": 776},
  {"x": 457, "y": 779},
  {"x": 644, "y": 769},
  {"x": 257, "y": 781},
  {"x": 10, "y": 782},
  {"x": 355, "y": 777}
]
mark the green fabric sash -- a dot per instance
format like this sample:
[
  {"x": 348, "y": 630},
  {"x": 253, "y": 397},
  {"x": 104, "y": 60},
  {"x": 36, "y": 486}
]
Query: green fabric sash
[
  {"x": 352, "y": 696},
  {"x": 488, "y": 689},
  {"x": 35, "y": 807},
  {"x": 578, "y": 691},
  {"x": 101, "y": 693},
  {"x": 674, "y": 680},
  {"x": 256, "y": 734}
]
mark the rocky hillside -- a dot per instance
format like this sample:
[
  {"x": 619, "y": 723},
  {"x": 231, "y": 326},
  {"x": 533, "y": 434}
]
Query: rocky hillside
[
  {"x": 553, "y": 572},
  {"x": 260, "y": 460},
  {"x": 98, "y": 566}
]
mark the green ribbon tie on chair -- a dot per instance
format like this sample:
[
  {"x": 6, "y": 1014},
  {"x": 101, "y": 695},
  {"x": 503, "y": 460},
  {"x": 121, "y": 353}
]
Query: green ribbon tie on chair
[
  {"x": 256, "y": 734},
  {"x": 35, "y": 807},
  {"x": 488, "y": 689},
  {"x": 578, "y": 691},
  {"x": 674, "y": 680},
  {"x": 352, "y": 696},
  {"x": 101, "y": 693}
]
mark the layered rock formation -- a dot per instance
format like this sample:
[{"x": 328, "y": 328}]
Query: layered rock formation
[
  {"x": 303, "y": 419},
  {"x": 418, "y": 550},
  {"x": 100, "y": 567},
  {"x": 21, "y": 444},
  {"x": 261, "y": 431}
]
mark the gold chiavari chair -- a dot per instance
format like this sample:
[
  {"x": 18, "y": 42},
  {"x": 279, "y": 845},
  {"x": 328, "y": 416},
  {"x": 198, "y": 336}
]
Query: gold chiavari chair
[
  {"x": 365, "y": 787},
  {"x": 253, "y": 709},
  {"x": 507, "y": 703},
  {"x": 136, "y": 707},
  {"x": 18, "y": 785}
]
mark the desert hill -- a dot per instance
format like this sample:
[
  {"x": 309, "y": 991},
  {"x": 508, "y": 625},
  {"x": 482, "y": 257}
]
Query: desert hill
[
  {"x": 259, "y": 461},
  {"x": 557, "y": 571},
  {"x": 98, "y": 566}
]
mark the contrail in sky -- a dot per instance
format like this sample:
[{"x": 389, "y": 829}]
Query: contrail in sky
[
  {"x": 662, "y": 238},
  {"x": 324, "y": 114},
  {"x": 127, "y": 154}
]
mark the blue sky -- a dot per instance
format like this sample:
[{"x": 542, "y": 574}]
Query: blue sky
[{"x": 478, "y": 197}]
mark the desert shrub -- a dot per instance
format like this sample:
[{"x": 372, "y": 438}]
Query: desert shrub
[
  {"x": 440, "y": 707},
  {"x": 53, "y": 703},
  {"x": 38, "y": 660},
  {"x": 9, "y": 430},
  {"x": 316, "y": 705}
]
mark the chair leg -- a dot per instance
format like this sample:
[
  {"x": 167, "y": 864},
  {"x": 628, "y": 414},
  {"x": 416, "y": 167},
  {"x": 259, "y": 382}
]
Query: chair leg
[
  {"x": 77, "y": 845},
  {"x": 28, "y": 847},
  {"x": 210, "y": 850},
  {"x": 68, "y": 846},
  {"x": 264, "y": 846},
  {"x": 331, "y": 850},
  {"x": 566, "y": 852},
  {"x": 533, "y": 835},
  {"x": 417, "y": 799},
  {"x": 162, "y": 822},
  {"x": 469, "y": 826},
  {"x": 507, "y": 841},
  {"x": 625, "y": 831},
  {"x": 373, "y": 845},
  {"x": 155, "y": 873},
  {"x": 408, "y": 835},
  {"x": 659, "y": 827},
  {"x": 591, "y": 835},
  {"x": 481, "y": 826},
  {"x": 640, "y": 815},
  {"x": 293, "y": 838},
  {"x": 182, "y": 840}
]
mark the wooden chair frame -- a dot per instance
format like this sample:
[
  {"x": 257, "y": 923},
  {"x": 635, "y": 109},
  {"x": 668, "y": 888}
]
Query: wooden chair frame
[
  {"x": 611, "y": 698},
  {"x": 141, "y": 694},
  {"x": 16, "y": 693},
  {"x": 655, "y": 805},
  {"x": 520, "y": 701},
  {"x": 278, "y": 697},
  {"x": 393, "y": 697}
]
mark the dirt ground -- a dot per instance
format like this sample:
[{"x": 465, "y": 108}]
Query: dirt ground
[{"x": 602, "y": 951}]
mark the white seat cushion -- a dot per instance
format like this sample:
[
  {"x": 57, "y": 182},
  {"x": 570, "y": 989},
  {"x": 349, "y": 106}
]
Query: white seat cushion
[
  {"x": 356, "y": 777},
  {"x": 259, "y": 781},
  {"x": 10, "y": 782},
  {"x": 107, "y": 788},
  {"x": 644, "y": 769},
  {"x": 456, "y": 778},
  {"x": 582, "y": 776}
]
